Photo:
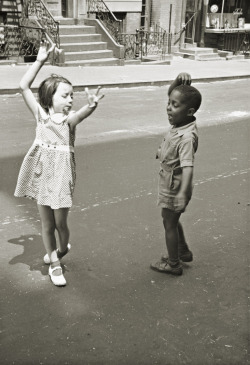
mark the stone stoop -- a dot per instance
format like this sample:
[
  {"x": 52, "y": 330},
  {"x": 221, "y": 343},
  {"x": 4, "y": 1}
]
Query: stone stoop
[
  {"x": 82, "y": 46},
  {"x": 230, "y": 56},
  {"x": 199, "y": 54}
]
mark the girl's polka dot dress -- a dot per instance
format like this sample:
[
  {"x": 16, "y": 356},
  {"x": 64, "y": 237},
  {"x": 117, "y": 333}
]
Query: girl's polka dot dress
[{"x": 48, "y": 171}]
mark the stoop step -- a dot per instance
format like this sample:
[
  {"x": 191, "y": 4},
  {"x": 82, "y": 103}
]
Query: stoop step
[
  {"x": 76, "y": 29},
  {"x": 83, "y": 46},
  {"x": 97, "y": 62},
  {"x": 89, "y": 55},
  {"x": 198, "y": 50}
]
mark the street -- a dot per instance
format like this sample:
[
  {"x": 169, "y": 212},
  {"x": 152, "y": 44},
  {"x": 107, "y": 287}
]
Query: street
[{"x": 114, "y": 309}]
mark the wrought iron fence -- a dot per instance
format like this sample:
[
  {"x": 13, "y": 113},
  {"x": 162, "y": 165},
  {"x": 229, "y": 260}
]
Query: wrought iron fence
[
  {"x": 236, "y": 42},
  {"x": 146, "y": 43},
  {"x": 100, "y": 10},
  {"x": 20, "y": 41},
  {"x": 43, "y": 16}
]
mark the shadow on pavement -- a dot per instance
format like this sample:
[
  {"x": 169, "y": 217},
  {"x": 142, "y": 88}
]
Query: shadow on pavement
[{"x": 32, "y": 253}]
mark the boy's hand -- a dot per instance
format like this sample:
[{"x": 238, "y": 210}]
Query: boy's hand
[
  {"x": 44, "y": 51},
  {"x": 180, "y": 202},
  {"x": 93, "y": 99},
  {"x": 184, "y": 78}
]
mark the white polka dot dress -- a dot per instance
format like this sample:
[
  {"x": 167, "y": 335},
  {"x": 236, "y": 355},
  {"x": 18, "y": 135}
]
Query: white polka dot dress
[{"x": 48, "y": 170}]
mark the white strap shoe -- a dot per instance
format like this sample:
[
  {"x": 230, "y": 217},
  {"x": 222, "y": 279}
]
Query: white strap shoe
[
  {"x": 46, "y": 258},
  {"x": 58, "y": 280}
]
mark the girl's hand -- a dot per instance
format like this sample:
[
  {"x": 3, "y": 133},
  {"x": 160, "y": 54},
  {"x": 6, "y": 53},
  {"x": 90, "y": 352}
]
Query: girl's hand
[
  {"x": 93, "y": 99},
  {"x": 44, "y": 51},
  {"x": 184, "y": 78}
]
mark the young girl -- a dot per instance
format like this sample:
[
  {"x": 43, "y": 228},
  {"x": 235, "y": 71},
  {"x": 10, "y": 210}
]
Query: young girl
[{"x": 47, "y": 173}]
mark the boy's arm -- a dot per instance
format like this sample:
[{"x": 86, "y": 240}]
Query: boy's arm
[
  {"x": 86, "y": 110},
  {"x": 185, "y": 192},
  {"x": 186, "y": 184},
  {"x": 30, "y": 75},
  {"x": 182, "y": 79}
]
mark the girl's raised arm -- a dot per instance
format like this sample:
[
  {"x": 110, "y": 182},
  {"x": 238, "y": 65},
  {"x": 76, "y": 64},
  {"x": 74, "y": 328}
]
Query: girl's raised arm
[
  {"x": 86, "y": 110},
  {"x": 30, "y": 75}
]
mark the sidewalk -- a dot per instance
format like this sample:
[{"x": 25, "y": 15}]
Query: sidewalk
[{"x": 129, "y": 75}]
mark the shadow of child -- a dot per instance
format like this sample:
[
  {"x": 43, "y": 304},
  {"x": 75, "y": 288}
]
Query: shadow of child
[{"x": 33, "y": 252}]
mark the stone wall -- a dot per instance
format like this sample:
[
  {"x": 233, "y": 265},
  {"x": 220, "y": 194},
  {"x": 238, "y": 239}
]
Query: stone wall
[
  {"x": 54, "y": 6},
  {"x": 132, "y": 22},
  {"x": 161, "y": 14}
]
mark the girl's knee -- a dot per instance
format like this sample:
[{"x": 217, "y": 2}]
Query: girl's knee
[
  {"x": 62, "y": 226},
  {"x": 48, "y": 227},
  {"x": 61, "y": 217}
]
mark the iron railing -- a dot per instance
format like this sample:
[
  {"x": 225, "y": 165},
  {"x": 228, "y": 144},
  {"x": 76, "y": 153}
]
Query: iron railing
[
  {"x": 43, "y": 17},
  {"x": 236, "y": 42},
  {"x": 155, "y": 42},
  {"x": 20, "y": 41},
  {"x": 100, "y": 10}
]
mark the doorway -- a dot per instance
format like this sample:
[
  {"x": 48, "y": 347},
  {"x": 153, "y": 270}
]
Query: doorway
[
  {"x": 64, "y": 8},
  {"x": 190, "y": 20}
]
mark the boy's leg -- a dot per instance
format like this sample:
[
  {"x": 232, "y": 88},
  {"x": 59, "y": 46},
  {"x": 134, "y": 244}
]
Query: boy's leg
[
  {"x": 184, "y": 253},
  {"x": 170, "y": 222},
  {"x": 172, "y": 264}
]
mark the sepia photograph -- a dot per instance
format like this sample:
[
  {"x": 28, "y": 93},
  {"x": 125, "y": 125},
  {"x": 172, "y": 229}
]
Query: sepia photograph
[{"x": 125, "y": 194}]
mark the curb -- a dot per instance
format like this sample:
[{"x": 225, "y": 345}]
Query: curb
[{"x": 11, "y": 91}]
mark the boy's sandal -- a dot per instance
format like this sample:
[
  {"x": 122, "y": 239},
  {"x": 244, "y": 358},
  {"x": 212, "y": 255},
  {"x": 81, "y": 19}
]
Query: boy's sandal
[
  {"x": 164, "y": 267},
  {"x": 46, "y": 258},
  {"x": 58, "y": 280}
]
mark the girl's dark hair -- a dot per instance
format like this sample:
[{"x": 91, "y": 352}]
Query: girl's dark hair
[
  {"x": 48, "y": 88},
  {"x": 190, "y": 95}
]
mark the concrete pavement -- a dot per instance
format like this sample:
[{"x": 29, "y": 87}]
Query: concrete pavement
[
  {"x": 129, "y": 75},
  {"x": 115, "y": 310}
]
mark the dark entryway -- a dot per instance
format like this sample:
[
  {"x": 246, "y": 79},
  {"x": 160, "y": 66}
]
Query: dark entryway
[{"x": 190, "y": 20}]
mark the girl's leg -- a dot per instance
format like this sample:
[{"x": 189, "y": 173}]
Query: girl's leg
[
  {"x": 61, "y": 216},
  {"x": 48, "y": 228},
  {"x": 49, "y": 240},
  {"x": 170, "y": 222}
]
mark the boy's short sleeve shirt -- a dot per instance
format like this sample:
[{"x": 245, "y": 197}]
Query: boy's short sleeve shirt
[
  {"x": 179, "y": 146},
  {"x": 176, "y": 151}
]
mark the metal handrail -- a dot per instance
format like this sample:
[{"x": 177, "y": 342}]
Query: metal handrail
[
  {"x": 20, "y": 41},
  {"x": 102, "y": 12},
  {"x": 43, "y": 18}
]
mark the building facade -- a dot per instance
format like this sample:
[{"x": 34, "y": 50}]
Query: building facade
[{"x": 204, "y": 23}]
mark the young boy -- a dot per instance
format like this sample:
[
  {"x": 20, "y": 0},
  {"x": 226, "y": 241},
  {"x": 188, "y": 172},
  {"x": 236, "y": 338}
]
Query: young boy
[{"x": 176, "y": 155}]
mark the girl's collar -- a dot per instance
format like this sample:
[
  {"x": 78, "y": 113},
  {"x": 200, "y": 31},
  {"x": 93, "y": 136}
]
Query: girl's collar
[{"x": 57, "y": 117}]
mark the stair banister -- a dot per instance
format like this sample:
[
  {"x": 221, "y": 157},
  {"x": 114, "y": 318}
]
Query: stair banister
[
  {"x": 106, "y": 16},
  {"x": 43, "y": 17}
]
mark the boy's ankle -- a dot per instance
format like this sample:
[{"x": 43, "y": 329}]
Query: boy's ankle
[{"x": 174, "y": 264}]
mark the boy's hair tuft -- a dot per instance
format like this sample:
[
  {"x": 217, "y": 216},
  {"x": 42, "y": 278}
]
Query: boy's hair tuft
[
  {"x": 48, "y": 88},
  {"x": 191, "y": 95}
]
